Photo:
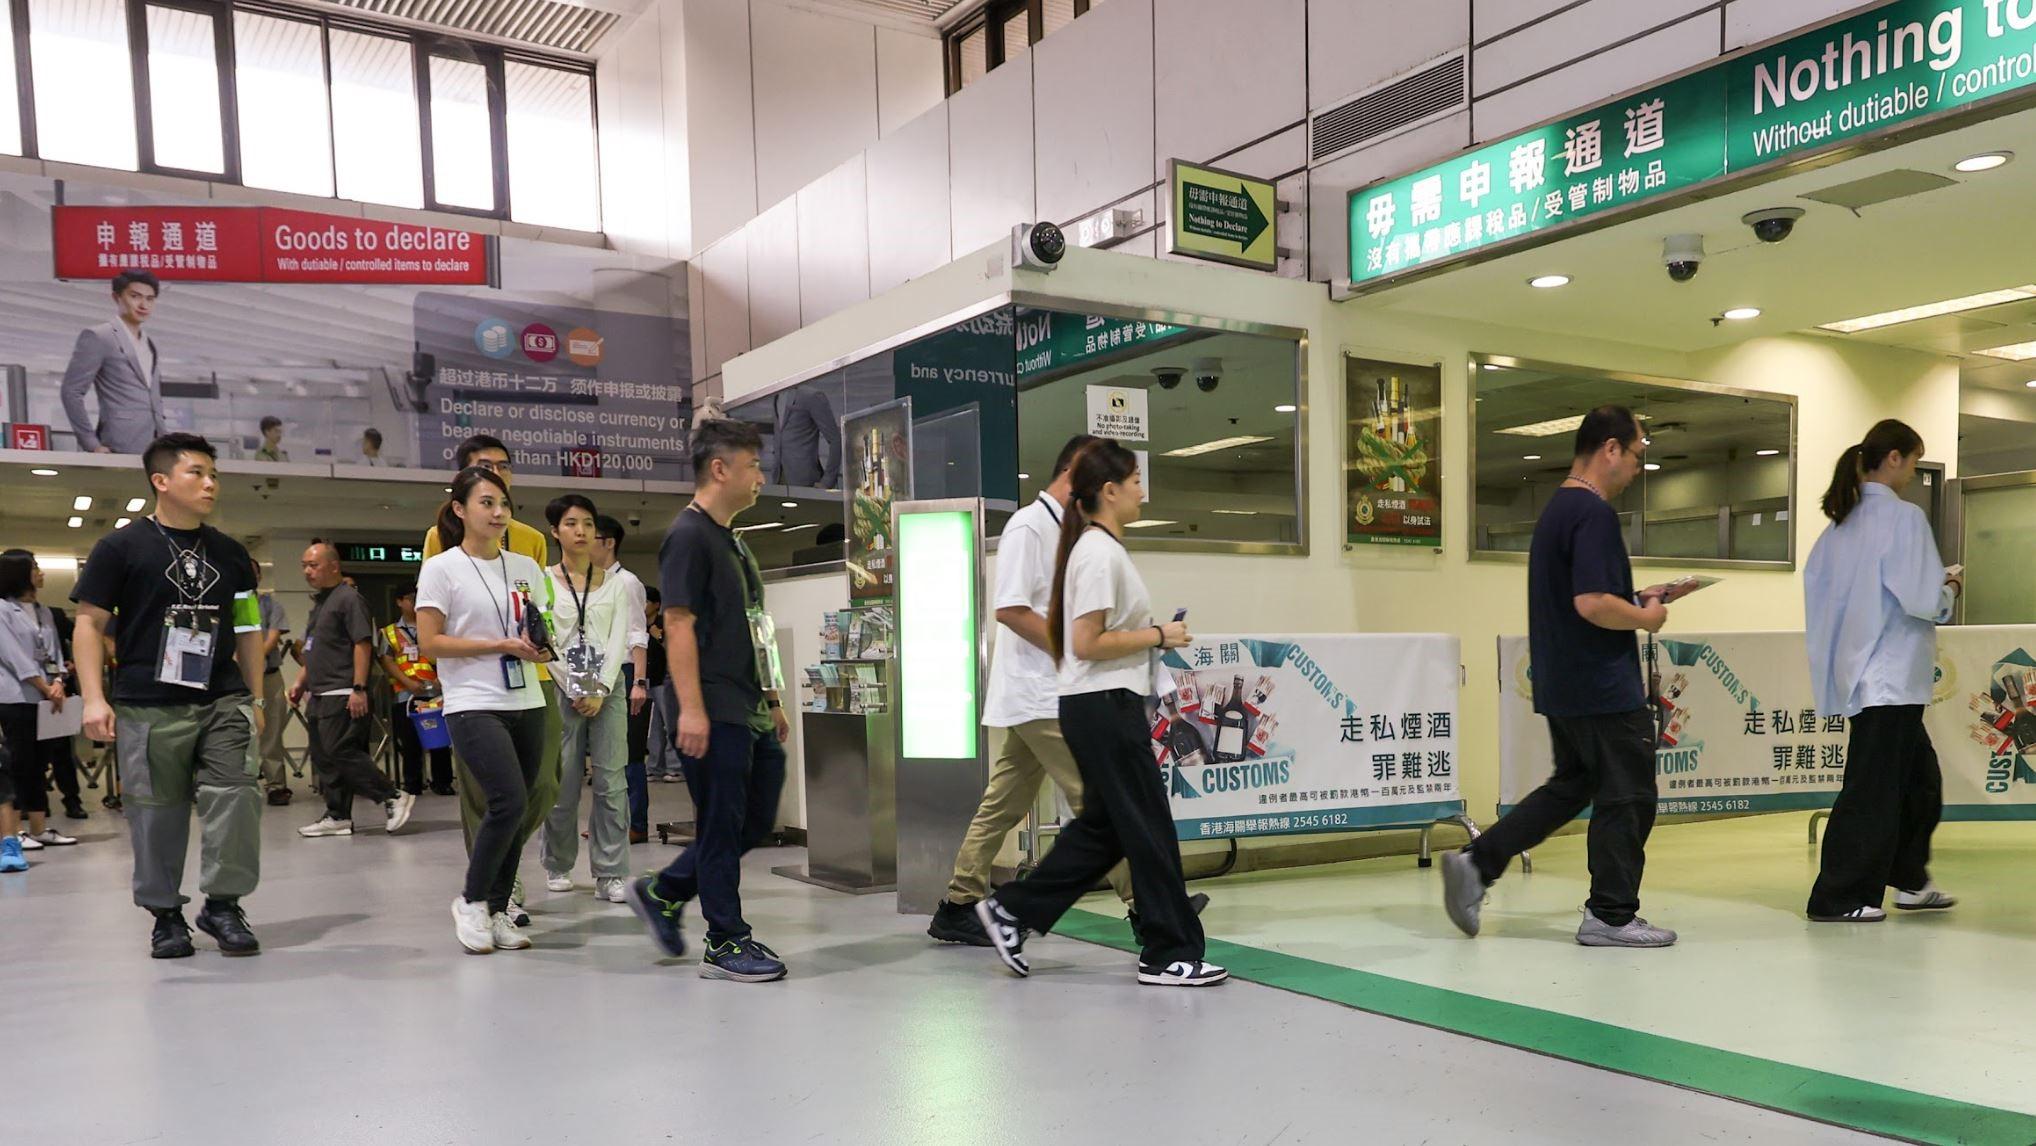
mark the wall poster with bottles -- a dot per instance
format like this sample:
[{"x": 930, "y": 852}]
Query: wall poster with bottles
[
  {"x": 1392, "y": 453},
  {"x": 878, "y": 445}
]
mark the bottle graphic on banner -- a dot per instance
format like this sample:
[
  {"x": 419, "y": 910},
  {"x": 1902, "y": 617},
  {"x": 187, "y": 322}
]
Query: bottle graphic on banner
[
  {"x": 1183, "y": 743},
  {"x": 1233, "y": 726}
]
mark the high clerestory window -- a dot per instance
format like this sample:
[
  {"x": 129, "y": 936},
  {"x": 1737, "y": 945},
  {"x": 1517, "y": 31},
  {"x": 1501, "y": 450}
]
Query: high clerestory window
[{"x": 1002, "y": 31}]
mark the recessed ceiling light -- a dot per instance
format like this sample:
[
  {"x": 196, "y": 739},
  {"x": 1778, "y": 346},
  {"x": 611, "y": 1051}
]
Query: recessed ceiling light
[
  {"x": 1984, "y": 161},
  {"x": 1236, "y": 512},
  {"x": 1218, "y": 444},
  {"x": 43, "y": 473},
  {"x": 123, "y": 523},
  {"x": 1650, "y": 467},
  {"x": 1024, "y": 477},
  {"x": 1530, "y": 457},
  {"x": 2031, "y": 383},
  {"x": 1548, "y": 282},
  {"x": 1765, "y": 453},
  {"x": 1931, "y": 310},
  {"x": 134, "y": 504},
  {"x": 1551, "y": 427},
  {"x": 1742, "y": 313},
  {"x": 82, "y": 502},
  {"x": 1285, "y": 408},
  {"x": 2016, "y": 352},
  {"x": 76, "y": 523},
  {"x": 1148, "y": 523},
  {"x": 789, "y": 504}
]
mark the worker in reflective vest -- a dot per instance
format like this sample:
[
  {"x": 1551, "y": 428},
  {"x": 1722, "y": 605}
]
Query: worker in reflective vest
[{"x": 414, "y": 678}]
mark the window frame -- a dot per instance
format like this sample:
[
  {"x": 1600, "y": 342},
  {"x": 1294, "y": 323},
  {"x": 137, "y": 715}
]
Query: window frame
[
  {"x": 24, "y": 76},
  {"x": 427, "y": 47},
  {"x": 528, "y": 59},
  {"x": 325, "y": 62},
  {"x": 221, "y": 14},
  {"x": 990, "y": 19}
]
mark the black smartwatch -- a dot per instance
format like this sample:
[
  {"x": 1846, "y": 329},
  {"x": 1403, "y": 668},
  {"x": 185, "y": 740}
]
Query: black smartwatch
[{"x": 360, "y": 688}]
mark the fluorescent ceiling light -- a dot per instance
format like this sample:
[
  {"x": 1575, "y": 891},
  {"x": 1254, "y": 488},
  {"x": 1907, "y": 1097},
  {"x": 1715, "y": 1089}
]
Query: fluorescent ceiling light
[
  {"x": 1218, "y": 444},
  {"x": 2018, "y": 352},
  {"x": 789, "y": 504},
  {"x": 1530, "y": 457},
  {"x": 1551, "y": 427},
  {"x": 1024, "y": 477},
  {"x": 1765, "y": 453},
  {"x": 1548, "y": 282},
  {"x": 134, "y": 504},
  {"x": 1984, "y": 161},
  {"x": 1650, "y": 467},
  {"x": 76, "y": 523},
  {"x": 43, "y": 473},
  {"x": 1742, "y": 313},
  {"x": 1236, "y": 512},
  {"x": 1285, "y": 408},
  {"x": 1148, "y": 523},
  {"x": 808, "y": 525},
  {"x": 58, "y": 564},
  {"x": 1930, "y": 310},
  {"x": 82, "y": 502},
  {"x": 123, "y": 523},
  {"x": 762, "y": 525}
]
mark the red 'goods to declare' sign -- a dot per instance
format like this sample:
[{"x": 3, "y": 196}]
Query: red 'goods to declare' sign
[{"x": 261, "y": 244}]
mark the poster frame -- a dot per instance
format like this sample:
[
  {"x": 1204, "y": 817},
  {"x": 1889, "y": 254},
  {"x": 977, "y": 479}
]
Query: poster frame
[{"x": 1353, "y": 542}]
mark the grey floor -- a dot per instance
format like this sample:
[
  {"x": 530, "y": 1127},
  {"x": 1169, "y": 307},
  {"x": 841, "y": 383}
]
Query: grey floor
[{"x": 363, "y": 1022}]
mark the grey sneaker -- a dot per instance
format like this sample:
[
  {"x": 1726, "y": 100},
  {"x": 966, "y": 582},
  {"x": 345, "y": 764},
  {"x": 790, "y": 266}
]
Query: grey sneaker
[
  {"x": 1928, "y": 899},
  {"x": 1463, "y": 891},
  {"x": 1638, "y": 932}
]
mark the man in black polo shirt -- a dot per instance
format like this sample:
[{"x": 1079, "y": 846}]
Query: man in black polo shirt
[
  {"x": 339, "y": 643},
  {"x": 730, "y": 728},
  {"x": 1581, "y": 617},
  {"x": 186, "y": 697}
]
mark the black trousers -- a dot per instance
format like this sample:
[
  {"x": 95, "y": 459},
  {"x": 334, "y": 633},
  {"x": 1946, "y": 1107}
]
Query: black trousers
[
  {"x": 1879, "y": 834},
  {"x": 63, "y": 763},
  {"x": 503, "y": 752},
  {"x": 339, "y": 754},
  {"x": 411, "y": 751},
  {"x": 1125, "y": 816},
  {"x": 27, "y": 757},
  {"x": 1606, "y": 764}
]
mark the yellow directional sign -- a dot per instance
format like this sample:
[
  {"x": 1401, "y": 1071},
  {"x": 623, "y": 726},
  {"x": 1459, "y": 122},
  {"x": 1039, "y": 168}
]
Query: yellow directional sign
[{"x": 1224, "y": 217}]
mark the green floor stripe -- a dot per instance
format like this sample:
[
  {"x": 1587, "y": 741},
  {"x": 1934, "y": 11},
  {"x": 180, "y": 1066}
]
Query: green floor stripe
[{"x": 1832, "y": 1098}]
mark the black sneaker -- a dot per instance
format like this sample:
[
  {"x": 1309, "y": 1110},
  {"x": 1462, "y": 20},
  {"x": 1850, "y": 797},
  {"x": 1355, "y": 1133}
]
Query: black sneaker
[
  {"x": 660, "y": 915},
  {"x": 741, "y": 961},
  {"x": 1006, "y": 934},
  {"x": 1198, "y": 901},
  {"x": 74, "y": 809},
  {"x": 279, "y": 797},
  {"x": 957, "y": 923},
  {"x": 172, "y": 937},
  {"x": 224, "y": 921}
]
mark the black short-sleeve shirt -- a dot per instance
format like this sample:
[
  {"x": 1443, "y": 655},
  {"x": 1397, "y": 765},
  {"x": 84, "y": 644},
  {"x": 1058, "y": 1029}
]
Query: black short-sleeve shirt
[
  {"x": 1579, "y": 669},
  {"x": 703, "y": 569},
  {"x": 141, "y": 572},
  {"x": 339, "y": 621}
]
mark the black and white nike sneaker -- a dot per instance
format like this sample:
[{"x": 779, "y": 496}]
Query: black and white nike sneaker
[
  {"x": 1182, "y": 973},
  {"x": 1006, "y": 934}
]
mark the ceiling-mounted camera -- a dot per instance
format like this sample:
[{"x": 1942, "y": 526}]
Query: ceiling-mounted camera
[
  {"x": 1682, "y": 255},
  {"x": 1208, "y": 373},
  {"x": 1773, "y": 224},
  {"x": 1168, "y": 377},
  {"x": 1037, "y": 246}
]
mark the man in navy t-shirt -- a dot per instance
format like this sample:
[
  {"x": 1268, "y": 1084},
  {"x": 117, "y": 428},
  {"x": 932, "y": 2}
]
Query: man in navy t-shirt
[{"x": 1581, "y": 617}]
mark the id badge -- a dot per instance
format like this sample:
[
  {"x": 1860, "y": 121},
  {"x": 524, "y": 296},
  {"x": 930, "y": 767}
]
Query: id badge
[
  {"x": 190, "y": 638},
  {"x": 512, "y": 673},
  {"x": 763, "y": 636}
]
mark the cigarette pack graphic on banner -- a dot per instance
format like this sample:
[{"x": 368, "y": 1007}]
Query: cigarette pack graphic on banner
[
  {"x": 1742, "y": 733},
  {"x": 1287, "y": 735}
]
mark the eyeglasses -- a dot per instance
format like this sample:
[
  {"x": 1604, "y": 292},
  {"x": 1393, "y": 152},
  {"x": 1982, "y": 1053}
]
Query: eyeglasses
[{"x": 493, "y": 467}]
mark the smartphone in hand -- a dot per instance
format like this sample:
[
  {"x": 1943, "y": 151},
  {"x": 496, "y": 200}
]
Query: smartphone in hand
[{"x": 1181, "y": 614}]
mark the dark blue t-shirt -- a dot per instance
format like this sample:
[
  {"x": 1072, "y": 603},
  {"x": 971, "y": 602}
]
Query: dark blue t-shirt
[{"x": 1579, "y": 668}]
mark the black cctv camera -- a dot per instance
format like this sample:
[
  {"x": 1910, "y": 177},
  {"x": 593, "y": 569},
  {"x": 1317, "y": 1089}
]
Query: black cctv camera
[
  {"x": 635, "y": 521},
  {"x": 1773, "y": 224},
  {"x": 1208, "y": 374},
  {"x": 1168, "y": 377},
  {"x": 1682, "y": 255},
  {"x": 1037, "y": 246}
]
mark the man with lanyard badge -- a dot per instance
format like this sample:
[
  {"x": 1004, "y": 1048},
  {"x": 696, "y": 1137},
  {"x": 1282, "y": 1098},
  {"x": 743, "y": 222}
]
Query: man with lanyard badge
[{"x": 186, "y": 704}]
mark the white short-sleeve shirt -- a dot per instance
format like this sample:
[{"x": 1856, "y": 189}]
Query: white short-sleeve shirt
[
  {"x": 474, "y": 596},
  {"x": 1024, "y": 682},
  {"x": 1101, "y": 578}
]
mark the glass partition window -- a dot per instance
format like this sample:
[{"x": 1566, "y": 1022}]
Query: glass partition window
[
  {"x": 279, "y": 78},
  {"x": 462, "y": 137},
  {"x": 553, "y": 172},
  {"x": 84, "y": 84},
  {"x": 1719, "y": 479},
  {"x": 186, "y": 132},
  {"x": 10, "y": 93},
  {"x": 374, "y": 119}
]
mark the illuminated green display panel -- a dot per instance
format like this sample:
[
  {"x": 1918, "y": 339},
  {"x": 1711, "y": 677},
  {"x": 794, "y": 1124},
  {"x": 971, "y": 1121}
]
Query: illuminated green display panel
[{"x": 938, "y": 706}]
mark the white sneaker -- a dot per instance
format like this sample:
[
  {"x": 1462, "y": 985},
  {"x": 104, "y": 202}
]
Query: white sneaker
[
  {"x": 612, "y": 890},
  {"x": 51, "y": 837},
  {"x": 1928, "y": 899},
  {"x": 398, "y": 807},
  {"x": 557, "y": 881},
  {"x": 28, "y": 843},
  {"x": 326, "y": 826},
  {"x": 1182, "y": 973},
  {"x": 1856, "y": 915},
  {"x": 505, "y": 933},
  {"x": 470, "y": 923}
]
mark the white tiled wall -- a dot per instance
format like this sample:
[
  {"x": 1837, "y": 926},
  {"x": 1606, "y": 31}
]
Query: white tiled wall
[{"x": 1092, "y": 102}]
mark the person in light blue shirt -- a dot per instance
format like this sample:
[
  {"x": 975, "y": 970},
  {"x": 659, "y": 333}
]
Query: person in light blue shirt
[{"x": 1874, "y": 593}]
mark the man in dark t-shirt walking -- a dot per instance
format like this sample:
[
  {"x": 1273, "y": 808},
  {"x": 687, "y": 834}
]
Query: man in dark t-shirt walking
[
  {"x": 731, "y": 729},
  {"x": 333, "y": 691},
  {"x": 186, "y": 704},
  {"x": 1581, "y": 617}
]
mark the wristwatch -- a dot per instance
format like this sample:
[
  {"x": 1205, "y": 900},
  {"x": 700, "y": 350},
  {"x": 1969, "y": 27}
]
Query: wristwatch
[
  {"x": 774, "y": 703},
  {"x": 260, "y": 703},
  {"x": 360, "y": 688}
]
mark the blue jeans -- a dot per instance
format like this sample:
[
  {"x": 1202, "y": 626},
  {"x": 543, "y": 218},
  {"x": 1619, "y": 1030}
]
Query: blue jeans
[{"x": 735, "y": 790}]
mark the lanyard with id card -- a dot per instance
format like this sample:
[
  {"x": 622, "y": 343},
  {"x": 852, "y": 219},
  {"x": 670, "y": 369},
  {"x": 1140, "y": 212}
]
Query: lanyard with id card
[
  {"x": 508, "y": 612},
  {"x": 763, "y": 630},
  {"x": 190, "y": 637}
]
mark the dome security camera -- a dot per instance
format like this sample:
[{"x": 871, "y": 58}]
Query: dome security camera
[
  {"x": 1168, "y": 377},
  {"x": 1773, "y": 224},
  {"x": 1682, "y": 255},
  {"x": 1037, "y": 246}
]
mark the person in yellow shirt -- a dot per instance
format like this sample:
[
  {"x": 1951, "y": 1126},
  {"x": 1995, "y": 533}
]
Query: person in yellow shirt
[{"x": 489, "y": 453}]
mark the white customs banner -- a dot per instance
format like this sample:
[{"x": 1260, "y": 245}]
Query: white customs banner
[
  {"x": 1743, "y": 734},
  {"x": 1297, "y": 734}
]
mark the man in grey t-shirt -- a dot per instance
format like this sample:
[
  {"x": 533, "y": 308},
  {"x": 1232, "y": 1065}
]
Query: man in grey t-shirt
[{"x": 338, "y": 648}]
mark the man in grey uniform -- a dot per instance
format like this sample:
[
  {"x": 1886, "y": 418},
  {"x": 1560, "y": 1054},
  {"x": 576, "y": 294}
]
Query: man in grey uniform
[
  {"x": 338, "y": 652},
  {"x": 120, "y": 364},
  {"x": 275, "y": 764}
]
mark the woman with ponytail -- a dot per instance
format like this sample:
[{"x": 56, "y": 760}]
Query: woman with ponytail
[
  {"x": 1874, "y": 592},
  {"x": 1103, "y": 637}
]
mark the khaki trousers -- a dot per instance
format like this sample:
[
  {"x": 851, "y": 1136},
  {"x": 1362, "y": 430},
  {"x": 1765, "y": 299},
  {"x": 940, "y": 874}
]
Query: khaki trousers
[
  {"x": 1021, "y": 757},
  {"x": 275, "y": 765}
]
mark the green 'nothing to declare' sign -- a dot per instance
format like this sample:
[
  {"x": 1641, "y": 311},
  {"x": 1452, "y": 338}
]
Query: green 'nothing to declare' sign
[
  {"x": 1224, "y": 216},
  {"x": 1867, "y": 73}
]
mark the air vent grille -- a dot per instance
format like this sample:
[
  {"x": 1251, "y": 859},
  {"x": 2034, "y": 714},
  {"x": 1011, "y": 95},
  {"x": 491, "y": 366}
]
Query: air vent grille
[{"x": 1409, "y": 99}]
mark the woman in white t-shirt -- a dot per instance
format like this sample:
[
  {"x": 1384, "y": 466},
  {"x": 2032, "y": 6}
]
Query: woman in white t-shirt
[
  {"x": 593, "y": 611},
  {"x": 473, "y": 604},
  {"x": 1105, "y": 640}
]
